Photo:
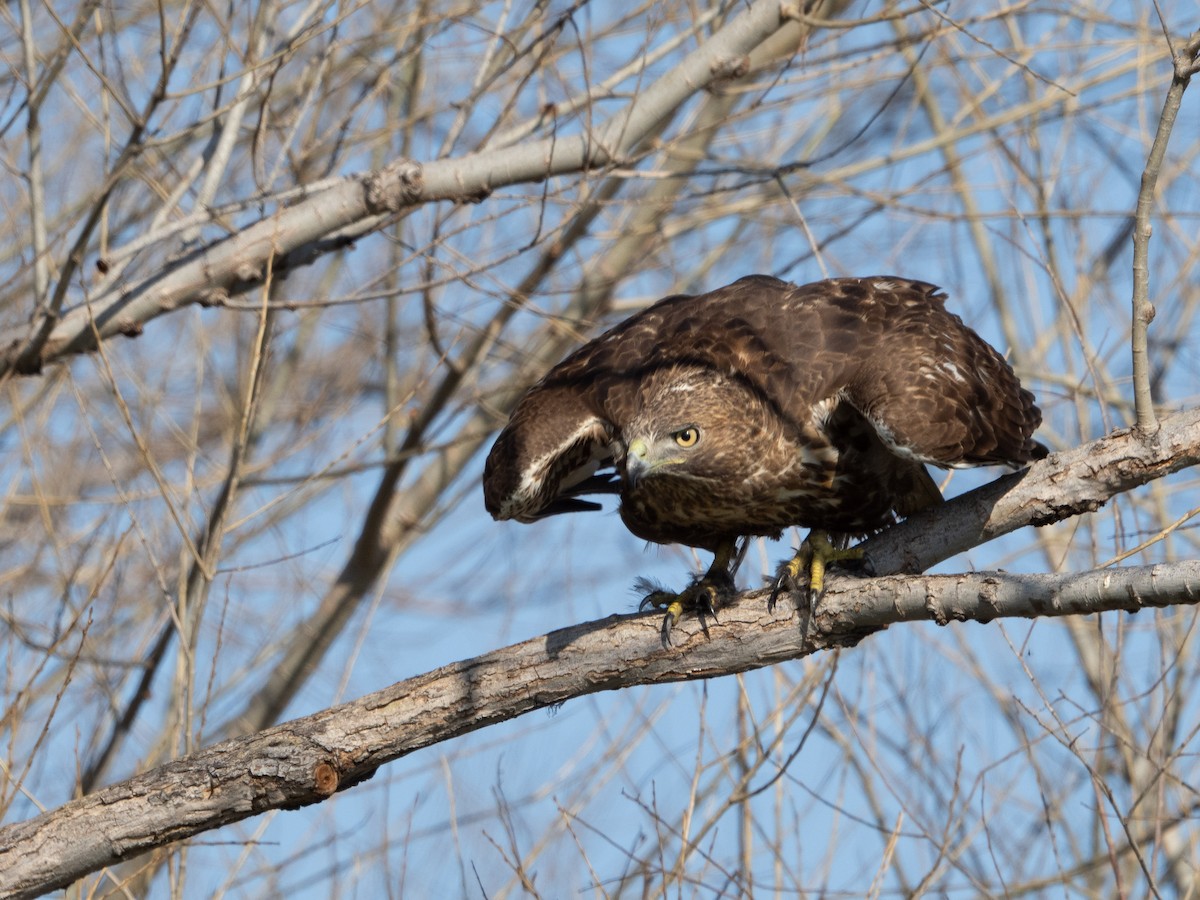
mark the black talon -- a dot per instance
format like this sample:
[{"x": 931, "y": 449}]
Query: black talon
[
  {"x": 812, "y": 557},
  {"x": 704, "y": 596}
]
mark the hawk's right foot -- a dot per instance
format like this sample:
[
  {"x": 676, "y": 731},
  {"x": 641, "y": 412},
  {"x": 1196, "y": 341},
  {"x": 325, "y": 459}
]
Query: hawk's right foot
[
  {"x": 705, "y": 595},
  {"x": 814, "y": 557}
]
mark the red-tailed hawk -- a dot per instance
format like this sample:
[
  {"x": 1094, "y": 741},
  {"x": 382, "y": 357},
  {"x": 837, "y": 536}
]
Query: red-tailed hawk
[{"x": 759, "y": 406}]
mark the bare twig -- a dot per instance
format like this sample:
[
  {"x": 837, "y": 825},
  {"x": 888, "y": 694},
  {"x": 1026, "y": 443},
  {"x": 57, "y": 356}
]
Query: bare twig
[
  {"x": 1184, "y": 65},
  {"x": 37, "y": 192},
  {"x": 359, "y": 205}
]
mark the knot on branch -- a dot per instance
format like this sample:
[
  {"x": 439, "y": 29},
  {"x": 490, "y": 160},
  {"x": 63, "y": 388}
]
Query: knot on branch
[
  {"x": 325, "y": 779},
  {"x": 1187, "y": 60},
  {"x": 934, "y": 610},
  {"x": 129, "y": 328},
  {"x": 790, "y": 12},
  {"x": 395, "y": 186},
  {"x": 727, "y": 68},
  {"x": 213, "y": 297}
]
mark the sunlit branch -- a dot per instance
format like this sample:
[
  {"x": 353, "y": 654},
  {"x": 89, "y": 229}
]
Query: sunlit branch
[{"x": 1184, "y": 65}]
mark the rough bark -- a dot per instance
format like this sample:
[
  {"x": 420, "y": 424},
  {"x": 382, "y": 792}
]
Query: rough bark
[
  {"x": 308, "y": 759},
  {"x": 1065, "y": 484}
]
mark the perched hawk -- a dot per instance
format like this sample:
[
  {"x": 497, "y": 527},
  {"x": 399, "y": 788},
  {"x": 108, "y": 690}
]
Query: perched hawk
[{"x": 759, "y": 406}]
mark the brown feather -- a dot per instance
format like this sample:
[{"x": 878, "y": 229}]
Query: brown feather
[{"x": 815, "y": 405}]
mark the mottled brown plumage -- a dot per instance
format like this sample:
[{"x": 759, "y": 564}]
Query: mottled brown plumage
[{"x": 763, "y": 405}]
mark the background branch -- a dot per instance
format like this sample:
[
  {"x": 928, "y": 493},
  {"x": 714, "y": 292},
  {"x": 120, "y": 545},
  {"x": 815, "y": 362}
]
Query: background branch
[
  {"x": 337, "y": 214},
  {"x": 269, "y": 506},
  {"x": 1183, "y": 66}
]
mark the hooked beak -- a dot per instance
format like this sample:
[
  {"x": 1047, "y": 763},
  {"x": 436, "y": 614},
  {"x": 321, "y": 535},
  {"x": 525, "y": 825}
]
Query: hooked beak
[
  {"x": 640, "y": 463},
  {"x": 637, "y": 466}
]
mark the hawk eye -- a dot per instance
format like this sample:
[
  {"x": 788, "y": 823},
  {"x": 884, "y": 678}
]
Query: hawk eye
[{"x": 686, "y": 437}]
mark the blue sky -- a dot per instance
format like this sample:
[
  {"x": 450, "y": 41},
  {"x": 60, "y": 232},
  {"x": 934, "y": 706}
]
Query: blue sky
[{"x": 961, "y": 733}]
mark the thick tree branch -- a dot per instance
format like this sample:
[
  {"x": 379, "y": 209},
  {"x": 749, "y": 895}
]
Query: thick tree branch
[
  {"x": 1063, "y": 485},
  {"x": 305, "y": 760},
  {"x": 336, "y": 216}
]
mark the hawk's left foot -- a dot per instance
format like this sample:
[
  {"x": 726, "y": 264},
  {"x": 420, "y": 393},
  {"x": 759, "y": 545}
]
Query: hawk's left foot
[
  {"x": 705, "y": 595},
  {"x": 813, "y": 557}
]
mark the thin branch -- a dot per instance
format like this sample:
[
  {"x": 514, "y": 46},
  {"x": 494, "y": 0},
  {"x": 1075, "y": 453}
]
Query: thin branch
[
  {"x": 355, "y": 206},
  {"x": 37, "y": 192},
  {"x": 1184, "y": 65}
]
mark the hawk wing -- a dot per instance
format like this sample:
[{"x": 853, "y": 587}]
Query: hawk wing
[{"x": 930, "y": 386}]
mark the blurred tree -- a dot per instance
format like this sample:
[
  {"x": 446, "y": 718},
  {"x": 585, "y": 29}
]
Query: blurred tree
[{"x": 343, "y": 238}]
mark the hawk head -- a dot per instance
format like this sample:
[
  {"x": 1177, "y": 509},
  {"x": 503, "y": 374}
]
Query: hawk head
[
  {"x": 693, "y": 424},
  {"x": 699, "y": 457}
]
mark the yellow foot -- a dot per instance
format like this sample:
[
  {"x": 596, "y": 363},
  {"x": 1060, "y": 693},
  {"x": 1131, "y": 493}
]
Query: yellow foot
[
  {"x": 813, "y": 557},
  {"x": 704, "y": 596}
]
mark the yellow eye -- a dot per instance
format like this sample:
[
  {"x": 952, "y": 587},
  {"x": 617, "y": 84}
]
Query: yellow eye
[{"x": 687, "y": 437}]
